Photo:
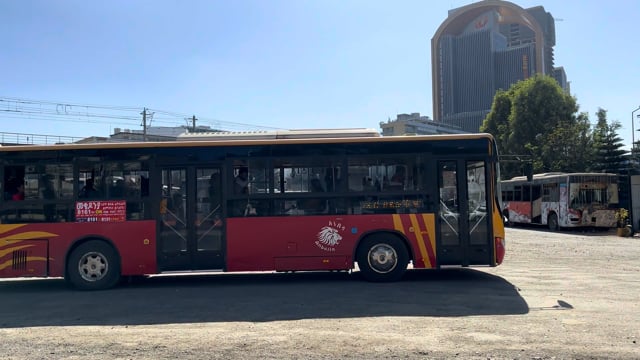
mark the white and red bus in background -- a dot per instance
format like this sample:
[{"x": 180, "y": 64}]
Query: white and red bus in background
[
  {"x": 562, "y": 200},
  {"x": 93, "y": 213}
]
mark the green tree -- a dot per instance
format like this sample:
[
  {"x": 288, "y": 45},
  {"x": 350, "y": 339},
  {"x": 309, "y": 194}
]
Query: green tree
[
  {"x": 610, "y": 155},
  {"x": 582, "y": 159},
  {"x": 497, "y": 121},
  {"x": 536, "y": 118}
]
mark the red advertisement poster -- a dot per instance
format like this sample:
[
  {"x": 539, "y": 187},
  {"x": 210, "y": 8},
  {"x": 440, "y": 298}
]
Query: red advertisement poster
[{"x": 101, "y": 211}]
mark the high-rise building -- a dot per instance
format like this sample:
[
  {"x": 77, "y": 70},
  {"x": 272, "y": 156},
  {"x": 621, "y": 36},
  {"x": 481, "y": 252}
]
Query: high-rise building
[{"x": 483, "y": 47}]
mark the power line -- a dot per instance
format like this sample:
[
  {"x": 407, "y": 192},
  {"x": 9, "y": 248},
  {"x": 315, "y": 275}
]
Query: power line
[
  {"x": 128, "y": 116},
  {"x": 49, "y": 102}
]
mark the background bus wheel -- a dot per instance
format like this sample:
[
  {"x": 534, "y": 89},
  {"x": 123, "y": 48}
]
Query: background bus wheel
[
  {"x": 93, "y": 265},
  {"x": 552, "y": 222},
  {"x": 505, "y": 217},
  {"x": 382, "y": 258}
]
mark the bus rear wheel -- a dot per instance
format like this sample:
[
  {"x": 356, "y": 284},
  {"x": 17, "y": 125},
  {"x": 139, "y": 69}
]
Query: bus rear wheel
[
  {"x": 552, "y": 222},
  {"x": 94, "y": 265},
  {"x": 382, "y": 258}
]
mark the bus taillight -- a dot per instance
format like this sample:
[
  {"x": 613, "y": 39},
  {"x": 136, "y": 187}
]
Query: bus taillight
[{"x": 500, "y": 249}]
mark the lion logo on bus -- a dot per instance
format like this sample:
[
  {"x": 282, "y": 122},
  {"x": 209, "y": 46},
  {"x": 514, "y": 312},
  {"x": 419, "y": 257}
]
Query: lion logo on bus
[{"x": 329, "y": 236}]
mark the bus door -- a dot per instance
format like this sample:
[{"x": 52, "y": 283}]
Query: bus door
[
  {"x": 191, "y": 225},
  {"x": 536, "y": 203},
  {"x": 464, "y": 214}
]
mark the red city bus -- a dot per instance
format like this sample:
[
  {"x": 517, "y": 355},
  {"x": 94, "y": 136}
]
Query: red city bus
[{"x": 93, "y": 213}]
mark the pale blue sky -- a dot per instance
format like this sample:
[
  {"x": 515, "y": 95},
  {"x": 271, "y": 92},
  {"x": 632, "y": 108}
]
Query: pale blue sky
[{"x": 275, "y": 63}]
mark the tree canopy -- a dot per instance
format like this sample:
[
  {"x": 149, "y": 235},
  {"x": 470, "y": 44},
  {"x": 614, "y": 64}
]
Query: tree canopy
[
  {"x": 535, "y": 119},
  {"x": 609, "y": 155}
]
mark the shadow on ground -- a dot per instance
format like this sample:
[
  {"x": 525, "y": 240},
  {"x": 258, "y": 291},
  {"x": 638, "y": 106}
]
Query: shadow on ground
[{"x": 257, "y": 298}]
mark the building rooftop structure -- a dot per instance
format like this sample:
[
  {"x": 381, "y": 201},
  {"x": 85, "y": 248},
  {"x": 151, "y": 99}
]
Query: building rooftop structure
[
  {"x": 414, "y": 124},
  {"x": 185, "y": 133},
  {"x": 279, "y": 134}
]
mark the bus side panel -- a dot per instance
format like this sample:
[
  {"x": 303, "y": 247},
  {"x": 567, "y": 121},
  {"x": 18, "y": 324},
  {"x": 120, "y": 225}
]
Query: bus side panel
[
  {"x": 262, "y": 243},
  {"x": 134, "y": 241},
  {"x": 519, "y": 211},
  {"x": 23, "y": 258},
  {"x": 549, "y": 208}
]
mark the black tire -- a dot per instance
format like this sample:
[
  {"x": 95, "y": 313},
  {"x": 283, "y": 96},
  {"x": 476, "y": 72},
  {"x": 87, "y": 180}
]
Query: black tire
[
  {"x": 94, "y": 265},
  {"x": 552, "y": 222},
  {"x": 382, "y": 258}
]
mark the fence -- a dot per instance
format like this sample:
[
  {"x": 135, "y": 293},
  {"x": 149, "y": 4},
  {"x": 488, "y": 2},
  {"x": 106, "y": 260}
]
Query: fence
[{"x": 7, "y": 138}]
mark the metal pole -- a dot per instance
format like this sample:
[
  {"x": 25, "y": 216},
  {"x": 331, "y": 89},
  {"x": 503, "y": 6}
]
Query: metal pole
[
  {"x": 144, "y": 125},
  {"x": 631, "y": 168},
  {"x": 633, "y": 132}
]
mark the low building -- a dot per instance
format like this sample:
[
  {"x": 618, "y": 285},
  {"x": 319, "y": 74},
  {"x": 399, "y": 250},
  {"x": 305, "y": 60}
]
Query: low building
[{"x": 414, "y": 124}]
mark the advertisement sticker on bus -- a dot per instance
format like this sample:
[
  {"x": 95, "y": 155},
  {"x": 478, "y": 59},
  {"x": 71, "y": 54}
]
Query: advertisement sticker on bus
[{"x": 101, "y": 211}]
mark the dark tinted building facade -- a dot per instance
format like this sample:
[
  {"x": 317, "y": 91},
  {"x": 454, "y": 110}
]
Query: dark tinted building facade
[{"x": 483, "y": 47}]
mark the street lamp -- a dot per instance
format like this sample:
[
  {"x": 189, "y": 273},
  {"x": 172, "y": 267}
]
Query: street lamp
[{"x": 633, "y": 131}]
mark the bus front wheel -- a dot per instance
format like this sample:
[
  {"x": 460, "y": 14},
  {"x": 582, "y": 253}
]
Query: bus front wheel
[
  {"x": 382, "y": 258},
  {"x": 552, "y": 222},
  {"x": 94, "y": 265}
]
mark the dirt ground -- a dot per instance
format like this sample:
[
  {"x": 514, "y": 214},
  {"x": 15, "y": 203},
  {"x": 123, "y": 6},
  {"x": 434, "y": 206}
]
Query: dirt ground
[{"x": 557, "y": 296}]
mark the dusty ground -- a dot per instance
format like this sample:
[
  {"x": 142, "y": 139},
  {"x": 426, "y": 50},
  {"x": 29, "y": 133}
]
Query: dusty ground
[{"x": 562, "y": 296}]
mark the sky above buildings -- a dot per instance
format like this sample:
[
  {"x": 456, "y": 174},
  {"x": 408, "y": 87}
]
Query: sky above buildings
[{"x": 93, "y": 66}]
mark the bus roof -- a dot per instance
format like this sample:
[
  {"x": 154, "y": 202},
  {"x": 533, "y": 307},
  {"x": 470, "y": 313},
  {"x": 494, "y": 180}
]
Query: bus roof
[
  {"x": 243, "y": 142},
  {"x": 279, "y": 134},
  {"x": 551, "y": 175}
]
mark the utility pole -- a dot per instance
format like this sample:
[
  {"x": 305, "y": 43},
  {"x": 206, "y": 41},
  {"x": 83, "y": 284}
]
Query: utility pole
[
  {"x": 193, "y": 119},
  {"x": 145, "y": 116},
  {"x": 144, "y": 124},
  {"x": 633, "y": 133}
]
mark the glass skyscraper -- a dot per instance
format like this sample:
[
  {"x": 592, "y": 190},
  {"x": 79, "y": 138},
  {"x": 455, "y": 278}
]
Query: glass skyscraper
[{"x": 483, "y": 47}]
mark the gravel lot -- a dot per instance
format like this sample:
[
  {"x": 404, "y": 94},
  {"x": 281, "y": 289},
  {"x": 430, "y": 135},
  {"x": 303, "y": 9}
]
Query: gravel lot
[{"x": 557, "y": 296}]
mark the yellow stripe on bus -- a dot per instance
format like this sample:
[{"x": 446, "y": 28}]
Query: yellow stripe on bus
[
  {"x": 7, "y": 228},
  {"x": 430, "y": 223},
  {"x": 423, "y": 249},
  {"x": 29, "y": 235},
  {"x": 6, "y": 251},
  {"x": 397, "y": 224},
  {"x": 8, "y": 263}
]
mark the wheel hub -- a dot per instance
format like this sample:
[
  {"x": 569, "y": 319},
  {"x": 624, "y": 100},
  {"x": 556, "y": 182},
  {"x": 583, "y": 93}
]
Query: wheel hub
[
  {"x": 93, "y": 267},
  {"x": 383, "y": 258}
]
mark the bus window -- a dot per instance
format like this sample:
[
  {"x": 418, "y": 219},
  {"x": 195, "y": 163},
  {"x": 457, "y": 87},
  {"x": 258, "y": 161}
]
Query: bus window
[
  {"x": 550, "y": 192},
  {"x": 256, "y": 178},
  {"x": 250, "y": 178},
  {"x": 449, "y": 204},
  {"x": 13, "y": 177},
  {"x": 517, "y": 193},
  {"x": 381, "y": 174},
  {"x": 306, "y": 181},
  {"x": 127, "y": 181},
  {"x": 90, "y": 181},
  {"x": 477, "y": 198}
]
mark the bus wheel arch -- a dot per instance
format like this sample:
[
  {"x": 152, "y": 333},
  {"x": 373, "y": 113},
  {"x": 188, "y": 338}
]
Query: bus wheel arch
[
  {"x": 93, "y": 264},
  {"x": 382, "y": 256}
]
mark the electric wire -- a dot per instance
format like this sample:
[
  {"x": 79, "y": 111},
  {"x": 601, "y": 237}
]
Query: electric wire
[{"x": 124, "y": 116}]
